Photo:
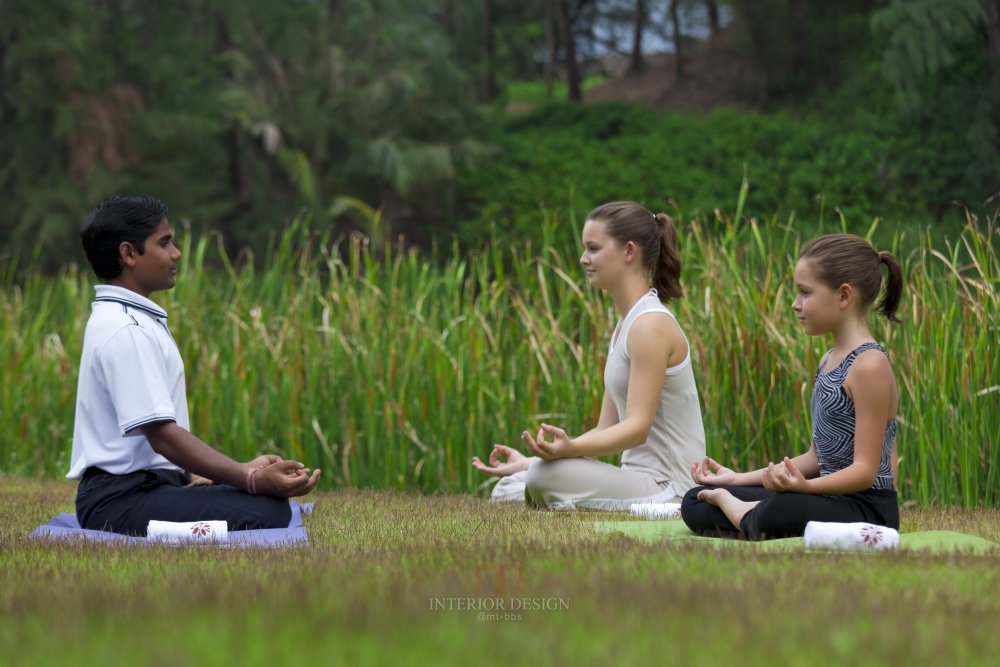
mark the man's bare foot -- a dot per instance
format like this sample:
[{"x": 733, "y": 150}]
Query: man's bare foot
[{"x": 731, "y": 506}]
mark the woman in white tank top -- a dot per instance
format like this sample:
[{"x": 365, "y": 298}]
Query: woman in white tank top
[{"x": 650, "y": 413}]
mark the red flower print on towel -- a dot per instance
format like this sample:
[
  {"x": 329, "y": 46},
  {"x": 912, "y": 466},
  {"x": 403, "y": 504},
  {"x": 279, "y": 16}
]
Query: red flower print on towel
[
  {"x": 201, "y": 529},
  {"x": 871, "y": 535}
]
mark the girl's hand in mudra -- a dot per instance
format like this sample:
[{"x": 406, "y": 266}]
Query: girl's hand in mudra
[
  {"x": 559, "y": 447},
  {"x": 784, "y": 477},
  {"x": 516, "y": 462}
]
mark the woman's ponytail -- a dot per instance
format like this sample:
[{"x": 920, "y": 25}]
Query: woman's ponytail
[
  {"x": 667, "y": 269},
  {"x": 654, "y": 233}
]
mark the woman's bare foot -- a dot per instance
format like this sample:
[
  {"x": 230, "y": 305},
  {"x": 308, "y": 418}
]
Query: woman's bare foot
[{"x": 731, "y": 506}]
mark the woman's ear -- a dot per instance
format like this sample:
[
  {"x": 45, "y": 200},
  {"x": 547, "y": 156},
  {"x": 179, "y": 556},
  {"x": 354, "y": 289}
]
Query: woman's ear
[{"x": 631, "y": 251}]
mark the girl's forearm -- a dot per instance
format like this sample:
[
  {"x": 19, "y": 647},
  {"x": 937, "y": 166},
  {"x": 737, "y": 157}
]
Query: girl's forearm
[
  {"x": 806, "y": 463},
  {"x": 752, "y": 478},
  {"x": 854, "y": 478}
]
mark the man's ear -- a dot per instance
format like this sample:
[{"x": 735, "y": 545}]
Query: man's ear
[{"x": 127, "y": 254}]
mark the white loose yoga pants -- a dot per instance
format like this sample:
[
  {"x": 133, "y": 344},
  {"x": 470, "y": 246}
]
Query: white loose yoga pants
[{"x": 566, "y": 484}]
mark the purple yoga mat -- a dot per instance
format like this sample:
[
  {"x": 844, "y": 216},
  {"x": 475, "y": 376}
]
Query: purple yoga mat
[{"x": 66, "y": 527}]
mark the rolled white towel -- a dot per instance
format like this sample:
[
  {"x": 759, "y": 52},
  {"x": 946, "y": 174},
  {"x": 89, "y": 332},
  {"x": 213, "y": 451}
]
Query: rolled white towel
[
  {"x": 656, "y": 510},
  {"x": 175, "y": 532},
  {"x": 858, "y": 536}
]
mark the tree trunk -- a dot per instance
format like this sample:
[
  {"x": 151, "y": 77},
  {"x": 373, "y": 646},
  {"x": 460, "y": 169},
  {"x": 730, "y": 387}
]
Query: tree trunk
[
  {"x": 448, "y": 18},
  {"x": 713, "y": 16},
  {"x": 488, "y": 83},
  {"x": 678, "y": 56},
  {"x": 233, "y": 141},
  {"x": 7, "y": 110},
  {"x": 992, "y": 11},
  {"x": 756, "y": 25},
  {"x": 114, "y": 45},
  {"x": 551, "y": 45},
  {"x": 569, "y": 55},
  {"x": 636, "y": 63},
  {"x": 796, "y": 37}
]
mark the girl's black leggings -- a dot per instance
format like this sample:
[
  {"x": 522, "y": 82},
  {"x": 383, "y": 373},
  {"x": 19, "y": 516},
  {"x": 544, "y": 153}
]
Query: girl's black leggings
[{"x": 786, "y": 514}]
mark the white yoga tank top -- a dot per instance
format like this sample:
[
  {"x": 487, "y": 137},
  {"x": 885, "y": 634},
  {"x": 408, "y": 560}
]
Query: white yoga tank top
[{"x": 677, "y": 437}]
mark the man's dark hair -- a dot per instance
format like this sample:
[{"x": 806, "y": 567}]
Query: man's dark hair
[{"x": 117, "y": 219}]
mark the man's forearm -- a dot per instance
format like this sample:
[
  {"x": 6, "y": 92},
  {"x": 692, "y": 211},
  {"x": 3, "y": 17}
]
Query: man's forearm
[{"x": 183, "y": 448}]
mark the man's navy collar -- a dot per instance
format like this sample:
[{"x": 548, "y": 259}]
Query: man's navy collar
[{"x": 127, "y": 297}]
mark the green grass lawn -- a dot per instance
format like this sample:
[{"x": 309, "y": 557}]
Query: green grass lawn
[{"x": 388, "y": 579}]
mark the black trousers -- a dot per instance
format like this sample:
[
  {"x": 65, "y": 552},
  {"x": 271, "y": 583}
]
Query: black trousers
[
  {"x": 126, "y": 503},
  {"x": 786, "y": 514}
]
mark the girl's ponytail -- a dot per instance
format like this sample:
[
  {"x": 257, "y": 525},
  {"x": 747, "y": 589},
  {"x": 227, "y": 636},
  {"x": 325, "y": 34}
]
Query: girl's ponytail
[
  {"x": 893, "y": 286},
  {"x": 846, "y": 258}
]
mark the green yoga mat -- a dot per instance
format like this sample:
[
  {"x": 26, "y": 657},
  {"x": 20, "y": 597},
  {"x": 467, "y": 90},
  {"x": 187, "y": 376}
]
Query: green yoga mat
[{"x": 937, "y": 541}]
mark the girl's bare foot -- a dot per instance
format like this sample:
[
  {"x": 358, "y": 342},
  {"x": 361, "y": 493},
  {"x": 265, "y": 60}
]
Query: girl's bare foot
[
  {"x": 731, "y": 506},
  {"x": 712, "y": 496}
]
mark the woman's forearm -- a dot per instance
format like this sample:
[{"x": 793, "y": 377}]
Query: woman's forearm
[{"x": 611, "y": 440}]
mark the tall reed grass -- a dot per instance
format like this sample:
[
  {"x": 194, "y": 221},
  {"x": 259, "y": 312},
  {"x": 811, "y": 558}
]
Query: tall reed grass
[{"x": 390, "y": 370}]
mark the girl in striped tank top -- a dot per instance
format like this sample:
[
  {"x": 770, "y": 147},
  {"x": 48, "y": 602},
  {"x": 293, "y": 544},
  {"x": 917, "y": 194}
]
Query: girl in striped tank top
[{"x": 849, "y": 472}]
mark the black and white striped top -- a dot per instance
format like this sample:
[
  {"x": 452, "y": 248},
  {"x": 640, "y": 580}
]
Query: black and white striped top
[{"x": 834, "y": 418}]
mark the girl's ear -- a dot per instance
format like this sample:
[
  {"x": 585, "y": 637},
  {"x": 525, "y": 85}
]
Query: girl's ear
[
  {"x": 631, "y": 251},
  {"x": 845, "y": 295}
]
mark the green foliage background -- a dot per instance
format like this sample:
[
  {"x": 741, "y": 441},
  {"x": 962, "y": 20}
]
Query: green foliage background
[
  {"x": 389, "y": 370},
  {"x": 560, "y": 155},
  {"x": 251, "y": 117},
  {"x": 241, "y": 115}
]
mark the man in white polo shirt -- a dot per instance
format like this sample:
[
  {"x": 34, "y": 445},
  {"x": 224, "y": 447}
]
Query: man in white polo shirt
[{"x": 132, "y": 451}]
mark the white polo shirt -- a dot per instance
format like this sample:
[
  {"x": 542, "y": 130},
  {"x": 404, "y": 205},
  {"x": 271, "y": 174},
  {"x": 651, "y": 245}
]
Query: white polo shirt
[{"x": 131, "y": 374}]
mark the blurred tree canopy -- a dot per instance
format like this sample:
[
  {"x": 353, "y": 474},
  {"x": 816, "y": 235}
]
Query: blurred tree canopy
[
  {"x": 242, "y": 113},
  {"x": 237, "y": 113}
]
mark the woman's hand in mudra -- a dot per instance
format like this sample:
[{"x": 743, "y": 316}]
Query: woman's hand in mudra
[
  {"x": 515, "y": 462},
  {"x": 708, "y": 472},
  {"x": 559, "y": 447}
]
